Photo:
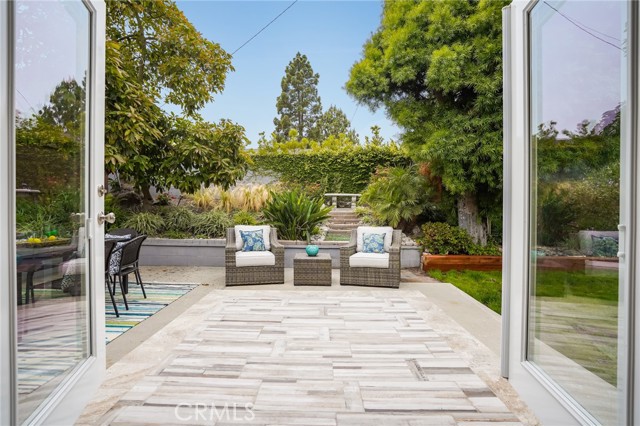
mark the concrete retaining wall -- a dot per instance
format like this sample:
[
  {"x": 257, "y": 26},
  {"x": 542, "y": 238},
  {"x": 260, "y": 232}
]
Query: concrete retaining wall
[{"x": 194, "y": 252}]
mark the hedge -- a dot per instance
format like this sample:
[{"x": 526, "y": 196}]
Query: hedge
[{"x": 345, "y": 170}]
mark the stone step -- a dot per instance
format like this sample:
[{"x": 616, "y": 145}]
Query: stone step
[
  {"x": 344, "y": 221},
  {"x": 342, "y": 218},
  {"x": 353, "y": 225},
  {"x": 342, "y": 212},
  {"x": 342, "y": 226}
]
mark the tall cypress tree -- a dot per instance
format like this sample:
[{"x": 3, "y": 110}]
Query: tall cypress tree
[{"x": 298, "y": 105}]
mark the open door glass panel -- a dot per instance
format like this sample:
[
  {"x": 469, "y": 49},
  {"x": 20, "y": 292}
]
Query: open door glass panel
[
  {"x": 51, "y": 64},
  {"x": 577, "y": 110}
]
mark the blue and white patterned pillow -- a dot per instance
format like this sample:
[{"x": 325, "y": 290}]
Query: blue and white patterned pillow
[
  {"x": 373, "y": 243},
  {"x": 252, "y": 240}
]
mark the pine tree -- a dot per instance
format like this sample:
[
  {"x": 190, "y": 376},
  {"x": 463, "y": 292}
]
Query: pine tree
[
  {"x": 334, "y": 122},
  {"x": 298, "y": 105}
]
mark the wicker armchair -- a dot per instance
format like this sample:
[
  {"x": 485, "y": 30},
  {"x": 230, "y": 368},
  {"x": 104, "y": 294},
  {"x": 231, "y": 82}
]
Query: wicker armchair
[
  {"x": 249, "y": 275},
  {"x": 374, "y": 277}
]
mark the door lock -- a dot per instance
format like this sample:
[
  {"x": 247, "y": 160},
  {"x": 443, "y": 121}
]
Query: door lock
[
  {"x": 109, "y": 218},
  {"x": 102, "y": 191}
]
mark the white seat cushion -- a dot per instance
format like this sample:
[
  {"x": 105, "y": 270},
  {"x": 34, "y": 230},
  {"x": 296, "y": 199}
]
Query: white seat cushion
[
  {"x": 369, "y": 260},
  {"x": 255, "y": 258},
  {"x": 266, "y": 230},
  {"x": 386, "y": 230}
]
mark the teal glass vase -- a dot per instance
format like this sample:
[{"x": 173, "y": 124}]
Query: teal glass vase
[{"x": 312, "y": 250}]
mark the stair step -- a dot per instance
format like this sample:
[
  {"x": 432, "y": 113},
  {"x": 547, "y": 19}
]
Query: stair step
[
  {"x": 344, "y": 220},
  {"x": 354, "y": 222},
  {"x": 343, "y": 226},
  {"x": 347, "y": 212}
]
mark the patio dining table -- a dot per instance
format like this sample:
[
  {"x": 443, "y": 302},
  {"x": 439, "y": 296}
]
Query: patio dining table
[{"x": 30, "y": 260}]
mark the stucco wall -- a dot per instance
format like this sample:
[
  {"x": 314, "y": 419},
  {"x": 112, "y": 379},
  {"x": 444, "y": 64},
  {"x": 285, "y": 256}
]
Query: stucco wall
[{"x": 194, "y": 252}]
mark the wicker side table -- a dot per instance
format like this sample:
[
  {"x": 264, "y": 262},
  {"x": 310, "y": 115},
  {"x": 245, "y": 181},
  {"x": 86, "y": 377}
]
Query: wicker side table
[{"x": 309, "y": 270}]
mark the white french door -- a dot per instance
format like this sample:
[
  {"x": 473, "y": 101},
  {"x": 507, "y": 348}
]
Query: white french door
[
  {"x": 571, "y": 81},
  {"x": 52, "y": 350}
]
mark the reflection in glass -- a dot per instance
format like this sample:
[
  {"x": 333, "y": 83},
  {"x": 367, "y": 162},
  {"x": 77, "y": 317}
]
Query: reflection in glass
[
  {"x": 51, "y": 67},
  {"x": 577, "y": 97}
]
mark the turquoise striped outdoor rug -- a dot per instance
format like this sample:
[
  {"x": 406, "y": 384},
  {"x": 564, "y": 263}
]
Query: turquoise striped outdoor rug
[
  {"x": 159, "y": 295},
  {"x": 49, "y": 343}
]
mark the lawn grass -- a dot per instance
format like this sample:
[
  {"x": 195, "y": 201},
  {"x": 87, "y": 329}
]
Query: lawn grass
[
  {"x": 576, "y": 311},
  {"x": 602, "y": 286},
  {"x": 485, "y": 287}
]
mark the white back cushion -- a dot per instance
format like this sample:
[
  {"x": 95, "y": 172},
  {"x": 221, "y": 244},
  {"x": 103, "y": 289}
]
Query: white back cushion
[
  {"x": 266, "y": 229},
  {"x": 386, "y": 230}
]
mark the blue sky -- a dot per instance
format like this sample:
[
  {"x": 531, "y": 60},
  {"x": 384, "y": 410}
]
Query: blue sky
[{"x": 330, "y": 33}]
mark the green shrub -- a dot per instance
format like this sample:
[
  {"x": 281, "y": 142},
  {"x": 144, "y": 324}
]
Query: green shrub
[
  {"x": 51, "y": 211},
  {"x": 442, "y": 238},
  {"x": 366, "y": 216},
  {"x": 556, "y": 216},
  {"x": 176, "y": 235},
  {"x": 488, "y": 250},
  {"x": 111, "y": 205},
  {"x": 163, "y": 199},
  {"x": 179, "y": 219},
  {"x": 343, "y": 170},
  {"x": 212, "y": 224},
  {"x": 294, "y": 214},
  {"x": 146, "y": 223},
  {"x": 397, "y": 196},
  {"x": 244, "y": 218}
]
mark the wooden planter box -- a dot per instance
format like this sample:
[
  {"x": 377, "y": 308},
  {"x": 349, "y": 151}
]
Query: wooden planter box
[
  {"x": 449, "y": 262},
  {"x": 576, "y": 263}
]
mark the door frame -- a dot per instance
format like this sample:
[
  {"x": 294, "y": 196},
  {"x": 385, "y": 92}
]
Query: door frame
[
  {"x": 550, "y": 403},
  {"x": 75, "y": 391}
]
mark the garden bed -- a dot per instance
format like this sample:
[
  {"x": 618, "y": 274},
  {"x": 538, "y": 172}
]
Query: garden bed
[{"x": 461, "y": 262}]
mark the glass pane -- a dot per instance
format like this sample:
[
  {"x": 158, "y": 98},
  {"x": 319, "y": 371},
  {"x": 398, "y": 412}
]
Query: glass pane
[
  {"x": 51, "y": 68},
  {"x": 578, "y": 87}
]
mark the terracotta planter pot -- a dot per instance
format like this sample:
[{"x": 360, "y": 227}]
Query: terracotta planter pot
[{"x": 449, "y": 262}]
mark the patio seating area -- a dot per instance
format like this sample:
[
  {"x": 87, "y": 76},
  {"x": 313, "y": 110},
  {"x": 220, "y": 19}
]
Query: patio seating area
[{"x": 322, "y": 355}]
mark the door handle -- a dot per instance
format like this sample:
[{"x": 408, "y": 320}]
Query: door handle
[
  {"x": 109, "y": 218},
  {"x": 621, "y": 240}
]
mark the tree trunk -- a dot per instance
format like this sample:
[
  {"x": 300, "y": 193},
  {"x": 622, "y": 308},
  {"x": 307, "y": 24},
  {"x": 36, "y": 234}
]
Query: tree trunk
[
  {"x": 470, "y": 220},
  {"x": 146, "y": 193}
]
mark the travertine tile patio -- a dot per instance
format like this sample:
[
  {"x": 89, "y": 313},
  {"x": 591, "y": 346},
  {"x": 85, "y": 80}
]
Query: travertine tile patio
[{"x": 355, "y": 357}]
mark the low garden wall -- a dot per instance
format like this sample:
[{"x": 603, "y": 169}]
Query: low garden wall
[{"x": 210, "y": 252}]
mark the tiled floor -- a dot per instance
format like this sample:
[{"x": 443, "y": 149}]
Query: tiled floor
[{"x": 361, "y": 357}]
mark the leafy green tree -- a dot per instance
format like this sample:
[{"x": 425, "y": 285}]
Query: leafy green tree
[
  {"x": 436, "y": 67},
  {"x": 66, "y": 108},
  {"x": 299, "y": 106},
  {"x": 334, "y": 122},
  {"x": 154, "y": 55},
  {"x": 376, "y": 139}
]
